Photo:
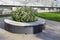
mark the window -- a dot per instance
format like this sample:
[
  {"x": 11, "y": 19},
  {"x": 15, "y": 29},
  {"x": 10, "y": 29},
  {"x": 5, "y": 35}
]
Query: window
[
  {"x": 50, "y": 8},
  {"x": 42, "y": 8}
]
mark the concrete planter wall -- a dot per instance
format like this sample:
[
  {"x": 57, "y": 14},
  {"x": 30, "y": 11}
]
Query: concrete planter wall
[{"x": 25, "y": 28}]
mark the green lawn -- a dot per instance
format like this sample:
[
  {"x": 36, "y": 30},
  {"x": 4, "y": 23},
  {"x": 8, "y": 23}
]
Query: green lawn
[
  {"x": 50, "y": 15},
  {"x": 5, "y": 15}
]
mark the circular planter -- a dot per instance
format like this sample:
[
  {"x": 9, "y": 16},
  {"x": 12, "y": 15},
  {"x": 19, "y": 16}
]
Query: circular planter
[{"x": 22, "y": 27}]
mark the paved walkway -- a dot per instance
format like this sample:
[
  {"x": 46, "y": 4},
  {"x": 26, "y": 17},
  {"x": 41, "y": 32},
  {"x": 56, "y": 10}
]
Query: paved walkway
[{"x": 52, "y": 32}]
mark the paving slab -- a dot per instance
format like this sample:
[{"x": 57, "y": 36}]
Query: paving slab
[{"x": 51, "y": 32}]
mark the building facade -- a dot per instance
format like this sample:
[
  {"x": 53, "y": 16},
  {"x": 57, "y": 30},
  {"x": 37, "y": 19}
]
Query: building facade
[
  {"x": 5, "y": 10},
  {"x": 41, "y": 5}
]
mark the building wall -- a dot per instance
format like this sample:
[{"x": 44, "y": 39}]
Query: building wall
[
  {"x": 8, "y": 10},
  {"x": 48, "y": 10},
  {"x": 5, "y": 10}
]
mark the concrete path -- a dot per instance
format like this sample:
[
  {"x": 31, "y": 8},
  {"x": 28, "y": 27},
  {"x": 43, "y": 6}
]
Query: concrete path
[{"x": 52, "y": 32}]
